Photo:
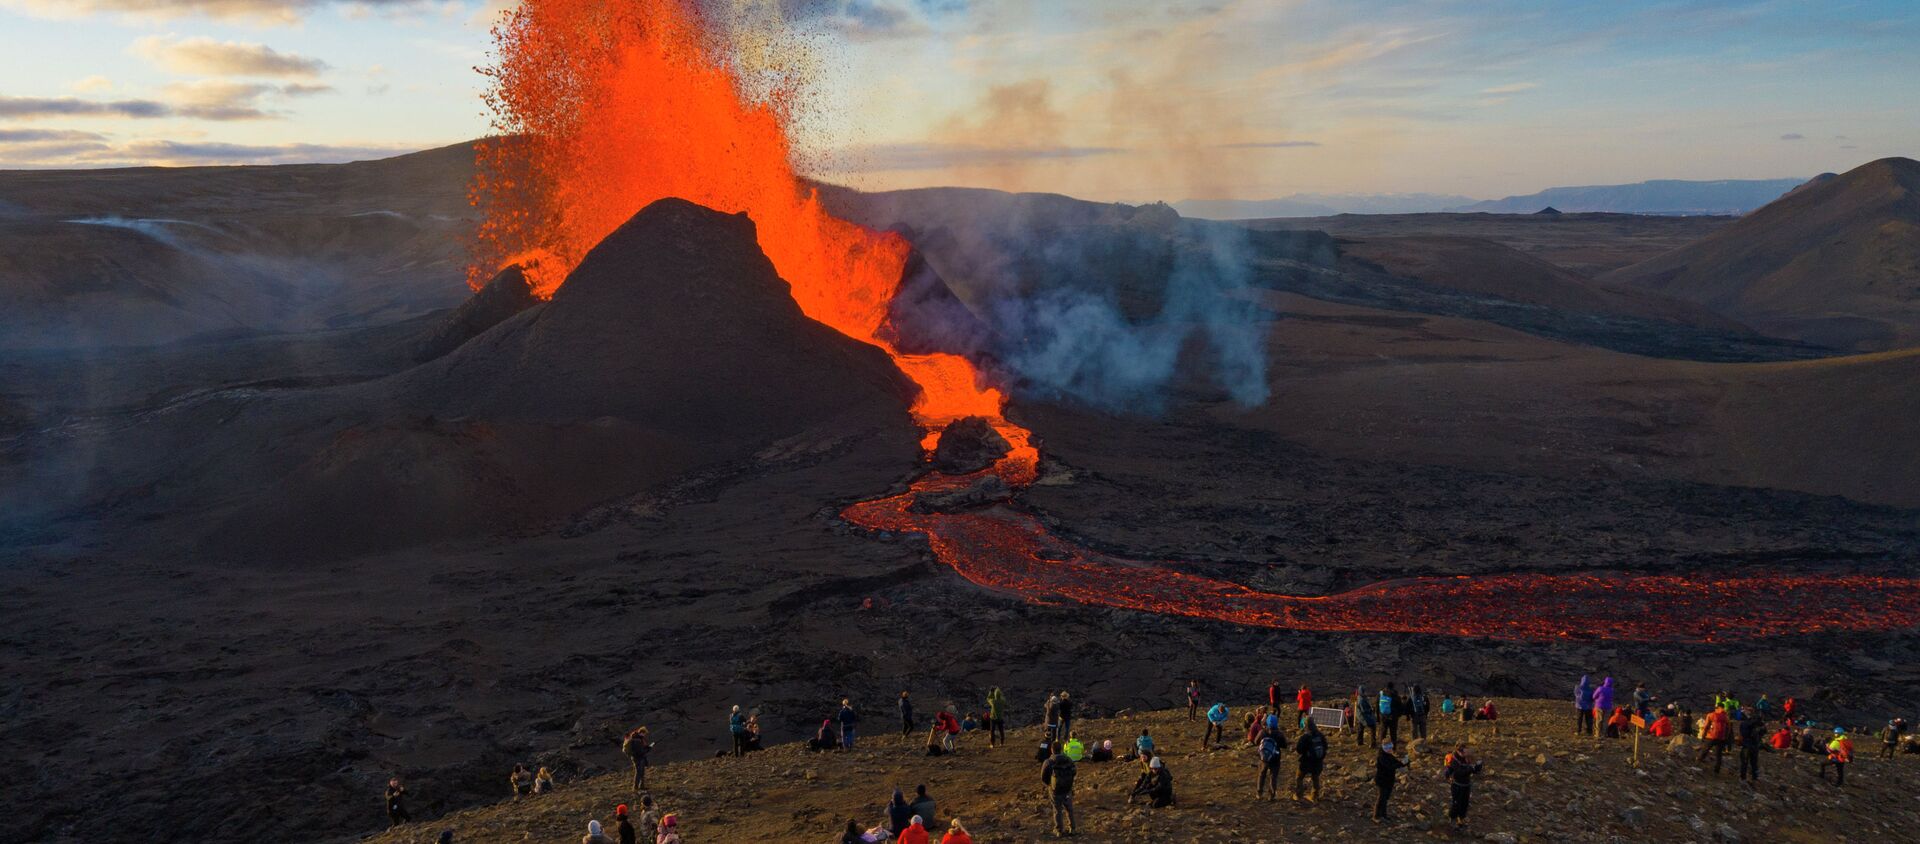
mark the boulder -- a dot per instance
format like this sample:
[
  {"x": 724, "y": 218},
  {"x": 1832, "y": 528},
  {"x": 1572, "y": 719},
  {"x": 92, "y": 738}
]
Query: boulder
[{"x": 969, "y": 445}]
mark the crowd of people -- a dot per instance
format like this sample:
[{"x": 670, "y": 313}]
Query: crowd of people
[{"x": 1374, "y": 719}]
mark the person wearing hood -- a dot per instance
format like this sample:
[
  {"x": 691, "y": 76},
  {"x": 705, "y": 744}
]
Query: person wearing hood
[
  {"x": 1366, "y": 719},
  {"x": 1312, "y": 750},
  {"x": 1459, "y": 770},
  {"x": 1716, "y": 736},
  {"x": 956, "y": 834},
  {"x": 899, "y": 813},
  {"x": 1102, "y": 752},
  {"x": 915, "y": 833},
  {"x": 1583, "y": 707},
  {"x": 1386, "y": 771},
  {"x": 852, "y": 834},
  {"x": 1417, "y": 709},
  {"x": 996, "y": 717},
  {"x": 1268, "y": 785},
  {"x": 649, "y": 827},
  {"x": 1160, "y": 786},
  {"x": 1618, "y": 723},
  {"x": 594, "y": 835},
  {"x": 669, "y": 830},
  {"x": 849, "y": 719},
  {"x": 1602, "y": 702},
  {"x": 1216, "y": 725},
  {"x": 1890, "y": 738},
  {"x": 737, "y": 727},
  {"x": 1303, "y": 702}
]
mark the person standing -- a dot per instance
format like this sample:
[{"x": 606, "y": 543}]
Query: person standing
[
  {"x": 637, "y": 746},
  {"x": 1193, "y": 698},
  {"x": 649, "y": 826},
  {"x": 1602, "y": 703},
  {"x": 1717, "y": 735},
  {"x": 623, "y": 825},
  {"x": 1273, "y": 695},
  {"x": 1050, "y": 717},
  {"x": 737, "y": 727},
  {"x": 1066, "y": 716},
  {"x": 1216, "y": 725},
  {"x": 669, "y": 830},
  {"x": 1583, "y": 706},
  {"x": 1366, "y": 720},
  {"x": 1890, "y": 739},
  {"x": 849, "y": 722},
  {"x": 1386, "y": 770},
  {"x": 1303, "y": 702},
  {"x": 1058, "y": 772},
  {"x": 1417, "y": 708},
  {"x": 1459, "y": 772},
  {"x": 396, "y": 802},
  {"x": 1753, "y": 734},
  {"x": 1390, "y": 712},
  {"x": 1312, "y": 750},
  {"x": 1268, "y": 785},
  {"x": 996, "y": 717},
  {"x": 1643, "y": 701},
  {"x": 906, "y": 715},
  {"x": 1839, "y": 753}
]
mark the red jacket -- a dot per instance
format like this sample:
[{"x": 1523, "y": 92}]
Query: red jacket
[
  {"x": 1782, "y": 740},
  {"x": 947, "y": 723},
  {"x": 1304, "y": 700},
  {"x": 1662, "y": 727},
  {"x": 957, "y": 837},
  {"x": 913, "y": 834}
]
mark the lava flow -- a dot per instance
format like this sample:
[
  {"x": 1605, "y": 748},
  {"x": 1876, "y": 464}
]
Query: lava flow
[{"x": 607, "y": 106}]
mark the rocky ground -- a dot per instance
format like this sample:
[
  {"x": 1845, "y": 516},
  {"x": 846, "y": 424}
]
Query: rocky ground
[{"x": 1541, "y": 784}]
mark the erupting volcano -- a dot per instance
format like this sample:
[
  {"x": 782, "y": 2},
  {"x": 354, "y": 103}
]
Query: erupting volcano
[{"x": 606, "y": 107}]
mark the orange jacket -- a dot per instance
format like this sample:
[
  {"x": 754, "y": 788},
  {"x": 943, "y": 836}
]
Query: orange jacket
[
  {"x": 1717, "y": 726},
  {"x": 1782, "y": 740},
  {"x": 1840, "y": 749}
]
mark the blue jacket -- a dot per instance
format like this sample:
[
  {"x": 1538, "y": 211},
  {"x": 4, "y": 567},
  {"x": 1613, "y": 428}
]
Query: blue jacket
[
  {"x": 1583, "y": 694},
  {"x": 737, "y": 724}
]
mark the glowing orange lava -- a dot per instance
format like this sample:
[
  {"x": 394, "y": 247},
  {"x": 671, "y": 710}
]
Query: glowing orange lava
[{"x": 608, "y": 105}]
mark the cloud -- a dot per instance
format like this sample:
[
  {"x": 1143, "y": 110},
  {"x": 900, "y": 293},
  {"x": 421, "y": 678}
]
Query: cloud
[
  {"x": 879, "y": 158},
  {"x": 1793, "y": 136},
  {"x": 257, "y": 11},
  {"x": 1512, "y": 88},
  {"x": 161, "y": 152},
  {"x": 207, "y": 57},
  {"x": 26, "y": 136},
  {"x": 92, "y": 85},
  {"x": 1270, "y": 145},
  {"x": 29, "y": 108},
  {"x": 865, "y": 20}
]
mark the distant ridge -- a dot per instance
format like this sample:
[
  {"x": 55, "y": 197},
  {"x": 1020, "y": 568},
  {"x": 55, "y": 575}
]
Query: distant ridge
[
  {"x": 1661, "y": 196},
  {"x": 1835, "y": 262},
  {"x": 1318, "y": 205}
]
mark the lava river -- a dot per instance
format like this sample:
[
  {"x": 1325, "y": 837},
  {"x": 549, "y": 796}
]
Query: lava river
[{"x": 1004, "y": 549}]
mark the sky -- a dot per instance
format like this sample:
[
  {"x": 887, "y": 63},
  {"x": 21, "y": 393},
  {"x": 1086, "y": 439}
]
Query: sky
[{"x": 1129, "y": 100}]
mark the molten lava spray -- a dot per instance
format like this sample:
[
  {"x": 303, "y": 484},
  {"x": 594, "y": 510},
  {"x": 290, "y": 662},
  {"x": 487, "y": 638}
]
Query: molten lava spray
[{"x": 607, "y": 105}]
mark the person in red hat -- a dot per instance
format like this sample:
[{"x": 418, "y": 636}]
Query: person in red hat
[{"x": 622, "y": 825}]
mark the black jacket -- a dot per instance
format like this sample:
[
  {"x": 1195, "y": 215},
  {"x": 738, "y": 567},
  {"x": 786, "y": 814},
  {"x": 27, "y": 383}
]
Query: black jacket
[
  {"x": 1386, "y": 768},
  {"x": 1058, "y": 772}
]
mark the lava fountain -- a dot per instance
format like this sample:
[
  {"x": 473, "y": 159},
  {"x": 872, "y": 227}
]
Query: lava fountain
[{"x": 604, "y": 106}]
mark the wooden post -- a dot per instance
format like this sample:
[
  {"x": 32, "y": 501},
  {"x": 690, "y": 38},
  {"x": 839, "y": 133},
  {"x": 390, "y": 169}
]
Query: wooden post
[{"x": 1639, "y": 724}]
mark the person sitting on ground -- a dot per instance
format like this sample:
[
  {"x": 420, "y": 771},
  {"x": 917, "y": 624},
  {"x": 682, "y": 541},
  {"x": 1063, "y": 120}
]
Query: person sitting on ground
[
  {"x": 970, "y": 723},
  {"x": 923, "y": 806},
  {"x": 899, "y": 813},
  {"x": 1662, "y": 727},
  {"x": 1782, "y": 738},
  {"x": 1074, "y": 749},
  {"x": 521, "y": 779},
  {"x": 1619, "y": 723},
  {"x": 623, "y": 825},
  {"x": 1447, "y": 705},
  {"x": 669, "y": 830},
  {"x": 1102, "y": 752},
  {"x": 853, "y": 835},
  {"x": 1143, "y": 784},
  {"x": 1807, "y": 743},
  {"x": 1490, "y": 715},
  {"x": 1160, "y": 788},
  {"x": 594, "y": 835},
  {"x": 1143, "y": 746},
  {"x": 1466, "y": 711},
  {"x": 543, "y": 782},
  {"x": 1685, "y": 721},
  {"x": 824, "y": 739},
  {"x": 915, "y": 833},
  {"x": 956, "y": 834}
]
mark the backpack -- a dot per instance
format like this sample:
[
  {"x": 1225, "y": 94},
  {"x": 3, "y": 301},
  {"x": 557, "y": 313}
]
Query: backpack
[
  {"x": 1419, "y": 705},
  {"x": 1269, "y": 750},
  {"x": 1386, "y": 704},
  {"x": 1316, "y": 746}
]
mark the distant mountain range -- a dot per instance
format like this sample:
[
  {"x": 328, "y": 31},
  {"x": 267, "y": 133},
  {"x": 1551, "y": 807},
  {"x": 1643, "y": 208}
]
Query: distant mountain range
[{"x": 1660, "y": 196}]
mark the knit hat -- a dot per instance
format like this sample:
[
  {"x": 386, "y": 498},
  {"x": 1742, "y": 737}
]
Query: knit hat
[
  {"x": 670, "y": 821},
  {"x": 593, "y": 827},
  {"x": 620, "y": 811}
]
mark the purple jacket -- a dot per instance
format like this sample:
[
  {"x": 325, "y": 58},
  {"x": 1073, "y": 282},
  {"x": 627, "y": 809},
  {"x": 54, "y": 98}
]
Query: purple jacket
[{"x": 1603, "y": 696}]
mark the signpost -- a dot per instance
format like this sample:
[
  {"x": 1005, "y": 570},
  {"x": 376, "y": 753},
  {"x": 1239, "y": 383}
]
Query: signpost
[{"x": 1639, "y": 724}]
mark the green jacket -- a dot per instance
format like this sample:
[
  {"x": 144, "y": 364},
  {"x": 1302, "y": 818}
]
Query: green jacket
[{"x": 996, "y": 701}]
